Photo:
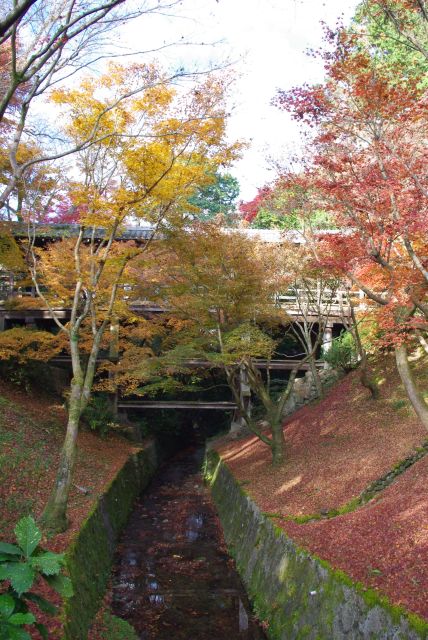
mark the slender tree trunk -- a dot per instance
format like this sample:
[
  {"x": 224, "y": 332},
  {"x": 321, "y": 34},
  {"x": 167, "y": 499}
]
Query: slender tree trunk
[
  {"x": 406, "y": 376},
  {"x": 54, "y": 516},
  {"x": 278, "y": 443},
  {"x": 422, "y": 341},
  {"x": 275, "y": 414},
  {"x": 89, "y": 378},
  {"x": 366, "y": 379},
  {"x": 316, "y": 377},
  {"x": 114, "y": 355}
]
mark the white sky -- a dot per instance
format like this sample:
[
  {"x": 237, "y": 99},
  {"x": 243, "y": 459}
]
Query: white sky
[{"x": 266, "y": 40}]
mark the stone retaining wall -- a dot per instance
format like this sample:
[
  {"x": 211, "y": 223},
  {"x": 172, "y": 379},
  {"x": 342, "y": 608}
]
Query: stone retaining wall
[
  {"x": 299, "y": 595},
  {"x": 305, "y": 391},
  {"x": 89, "y": 559}
]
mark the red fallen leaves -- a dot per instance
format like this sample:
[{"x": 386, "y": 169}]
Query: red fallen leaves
[
  {"x": 33, "y": 429},
  {"x": 336, "y": 448},
  {"x": 383, "y": 545}
]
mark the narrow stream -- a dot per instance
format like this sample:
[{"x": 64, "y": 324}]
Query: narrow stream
[{"x": 173, "y": 577}]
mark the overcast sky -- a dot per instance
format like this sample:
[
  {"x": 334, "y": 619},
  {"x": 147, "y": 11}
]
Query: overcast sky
[{"x": 267, "y": 41}]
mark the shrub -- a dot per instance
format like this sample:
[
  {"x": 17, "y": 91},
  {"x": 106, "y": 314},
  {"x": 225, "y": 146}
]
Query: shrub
[
  {"x": 20, "y": 565},
  {"x": 99, "y": 414},
  {"x": 342, "y": 353}
]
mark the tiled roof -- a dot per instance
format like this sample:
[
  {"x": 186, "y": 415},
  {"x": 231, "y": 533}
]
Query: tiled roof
[{"x": 72, "y": 230}]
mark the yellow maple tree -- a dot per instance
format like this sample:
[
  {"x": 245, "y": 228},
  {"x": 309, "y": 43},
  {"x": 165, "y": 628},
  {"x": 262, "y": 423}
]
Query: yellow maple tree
[{"x": 152, "y": 144}]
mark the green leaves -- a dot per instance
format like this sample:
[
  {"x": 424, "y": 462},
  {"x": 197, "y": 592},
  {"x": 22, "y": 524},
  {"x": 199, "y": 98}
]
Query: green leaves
[
  {"x": 20, "y": 575},
  {"x": 61, "y": 584},
  {"x": 16, "y": 633},
  {"x": 9, "y": 549},
  {"x": 48, "y": 563},
  {"x": 42, "y": 630},
  {"x": 218, "y": 196},
  {"x": 27, "y": 535},
  {"x": 44, "y": 605},
  {"x": 247, "y": 340},
  {"x": 11, "y": 622},
  {"x": 19, "y": 566},
  {"x": 7, "y": 606},
  {"x": 21, "y": 618}
]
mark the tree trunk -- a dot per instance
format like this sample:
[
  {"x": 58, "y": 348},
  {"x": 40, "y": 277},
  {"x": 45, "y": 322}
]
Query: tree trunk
[
  {"x": 422, "y": 341},
  {"x": 316, "y": 377},
  {"x": 366, "y": 379},
  {"x": 114, "y": 355},
  {"x": 406, "y": 376},
  {"x": 54, "y": 516},
  {"x": 278, "y": 444}
]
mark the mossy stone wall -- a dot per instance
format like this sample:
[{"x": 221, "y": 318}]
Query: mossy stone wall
[
  {"x": 89, "y": 558},
  {"x": 297, "y": 594}
]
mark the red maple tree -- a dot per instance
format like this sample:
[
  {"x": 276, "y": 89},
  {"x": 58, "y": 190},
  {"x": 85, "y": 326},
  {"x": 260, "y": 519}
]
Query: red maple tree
[{"x": 367, "y": 168}]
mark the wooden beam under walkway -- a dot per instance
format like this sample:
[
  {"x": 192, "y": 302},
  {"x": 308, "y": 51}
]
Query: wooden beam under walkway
[
  {"x": 279, "y": 365},
  {"x": 175, "y": 404}
]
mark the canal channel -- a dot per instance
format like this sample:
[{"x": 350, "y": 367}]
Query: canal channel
[{"x": 173, "y": 577}]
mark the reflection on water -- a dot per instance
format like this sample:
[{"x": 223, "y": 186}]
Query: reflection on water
[
  {"x": 152, "y": 584},
  {"x": 243, "y": 617},
  {"x": 173, "y": 578}
]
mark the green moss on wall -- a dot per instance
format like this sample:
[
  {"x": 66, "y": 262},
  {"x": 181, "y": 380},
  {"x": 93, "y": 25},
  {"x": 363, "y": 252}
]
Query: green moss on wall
[
  {"x": 118, "y": 629},
  {"x": 90, "y": 556},
  {"x": 297, "y": 594}
]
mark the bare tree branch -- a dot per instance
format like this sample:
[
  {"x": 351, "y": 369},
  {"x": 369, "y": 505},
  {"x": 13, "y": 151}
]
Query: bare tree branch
[{"x": 14, "y": 16}]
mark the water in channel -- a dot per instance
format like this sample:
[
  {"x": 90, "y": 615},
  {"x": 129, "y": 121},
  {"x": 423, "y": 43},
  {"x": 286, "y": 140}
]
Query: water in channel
[{"x": 173, "y": 577}]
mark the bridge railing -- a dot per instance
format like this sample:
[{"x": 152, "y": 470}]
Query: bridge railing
[{"x": 315, "y": 300}]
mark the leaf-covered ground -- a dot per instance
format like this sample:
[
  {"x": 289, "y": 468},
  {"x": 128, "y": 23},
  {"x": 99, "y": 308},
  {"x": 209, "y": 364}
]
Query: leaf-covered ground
[
  {"x": 32, "y": 428},
  {"x": 335, "y": 449}
]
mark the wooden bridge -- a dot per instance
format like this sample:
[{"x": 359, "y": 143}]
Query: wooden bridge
[
  {"x": 176, "y": 404},
  {"x": 298, "y": 303},
  {"x": 335, "y": 310},
  {"x": 278, "y": 364}
]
